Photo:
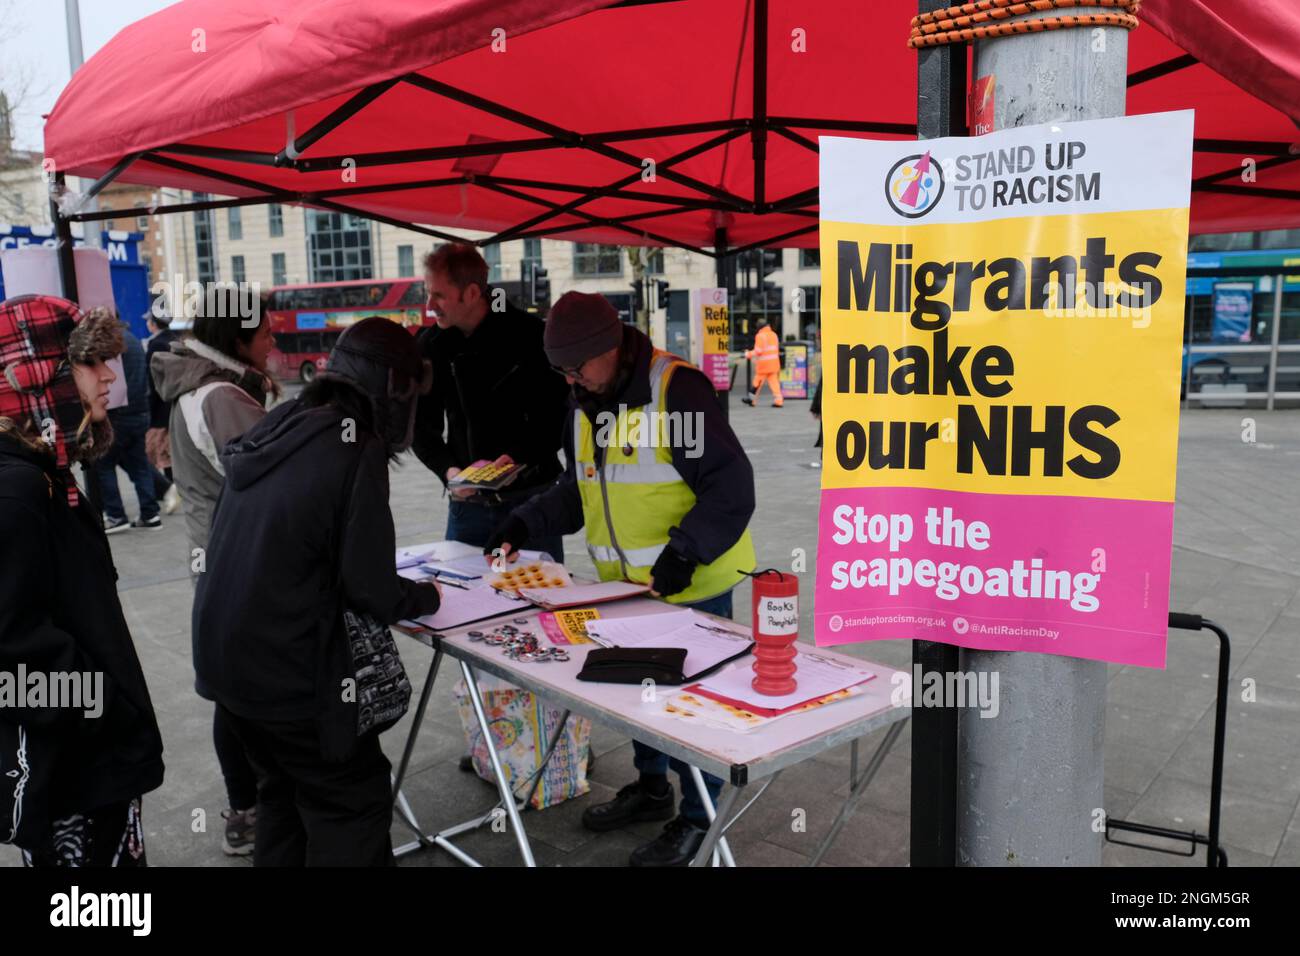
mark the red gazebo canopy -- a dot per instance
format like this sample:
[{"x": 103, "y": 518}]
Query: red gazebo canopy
[{"x": 536, "y": 117}]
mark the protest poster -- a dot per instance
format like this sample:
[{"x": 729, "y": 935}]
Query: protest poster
[{"x": 1002, "y": 321}]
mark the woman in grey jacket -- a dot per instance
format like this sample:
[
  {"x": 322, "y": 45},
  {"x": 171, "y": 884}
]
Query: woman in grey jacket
[{"x": 217, "y": 386}]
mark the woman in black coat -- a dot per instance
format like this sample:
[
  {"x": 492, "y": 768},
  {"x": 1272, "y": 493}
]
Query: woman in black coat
[
  {"x": 76, "y": 759},
  {"x": 301, "y": 534}
]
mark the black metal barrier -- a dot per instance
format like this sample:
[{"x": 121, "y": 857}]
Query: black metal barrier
[{"x": 1214, "y": 854}]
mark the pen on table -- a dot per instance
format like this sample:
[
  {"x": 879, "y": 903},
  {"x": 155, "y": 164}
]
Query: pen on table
[
  {"x": 722, "y": 630},
  {"x": 828, "y": 661},
  {"x": 447, "y": 581}
]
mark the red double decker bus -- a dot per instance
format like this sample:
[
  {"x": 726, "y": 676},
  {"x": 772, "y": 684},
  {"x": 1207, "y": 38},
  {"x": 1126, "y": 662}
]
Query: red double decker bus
[{"x": 308, "y": 319}]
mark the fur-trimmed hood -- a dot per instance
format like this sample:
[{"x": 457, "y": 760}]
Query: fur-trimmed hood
[{"x": 97, "y": 336}]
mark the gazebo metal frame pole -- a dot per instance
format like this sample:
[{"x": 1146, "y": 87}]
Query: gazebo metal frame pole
[{"x": 63, "y": 243}]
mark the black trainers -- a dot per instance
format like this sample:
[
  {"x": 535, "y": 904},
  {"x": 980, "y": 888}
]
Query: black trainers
[
  {"x": 240, "y": 827},
  {"x": 676, "y": 846},
  {"x": 114, "y": 525},
  {"x": 151, "y": 524},
  {"x": 630, "y": 805},
  {"x": 749, "y": 402}
]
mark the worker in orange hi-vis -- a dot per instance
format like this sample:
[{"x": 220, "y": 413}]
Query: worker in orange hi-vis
[{"x": 766, "y": 354}]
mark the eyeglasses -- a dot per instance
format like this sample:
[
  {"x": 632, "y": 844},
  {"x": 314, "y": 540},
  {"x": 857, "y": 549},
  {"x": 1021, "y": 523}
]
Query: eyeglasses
[{"x": 574, "y": 372}]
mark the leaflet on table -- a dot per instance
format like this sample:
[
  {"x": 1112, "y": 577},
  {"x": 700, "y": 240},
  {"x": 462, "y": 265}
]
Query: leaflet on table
[
  {"x": 568, "y": 627},
  {"x": 694, "y": 706},
  {"x": 470, "y": 602},
  {"x": 465, "y": 607},
  {"x": 575, "y": 595},
  {"x": 412, "y": 555},
  {"x": 816, "y": 675},
  {"x": 707, "y": 643},
  {"x": 409, "y": 558}
]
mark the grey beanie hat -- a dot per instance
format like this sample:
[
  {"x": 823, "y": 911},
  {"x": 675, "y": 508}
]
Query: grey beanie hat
[{"x": 580, "y": 327}]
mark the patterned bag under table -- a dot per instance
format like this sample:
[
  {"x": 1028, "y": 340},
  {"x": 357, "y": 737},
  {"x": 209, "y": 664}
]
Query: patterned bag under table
[{"x": 522, "y": 726}]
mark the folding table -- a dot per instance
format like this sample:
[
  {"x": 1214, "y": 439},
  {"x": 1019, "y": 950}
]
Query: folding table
[{"x": 742, "y": 760}]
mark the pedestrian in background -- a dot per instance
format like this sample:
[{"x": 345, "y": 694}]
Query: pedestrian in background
[
  {"x": 157, "y": 443},
  {"x": 766, "y": 354},
  {"x": 130, "y": 425},
  {"x": 815, "y": 409}
]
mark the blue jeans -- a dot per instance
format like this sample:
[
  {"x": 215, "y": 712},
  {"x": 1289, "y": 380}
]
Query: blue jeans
[
  {"x": 128, "y": 453},
  {"x": 472, "y": 523},
  {"x": 652, "y": 762}
]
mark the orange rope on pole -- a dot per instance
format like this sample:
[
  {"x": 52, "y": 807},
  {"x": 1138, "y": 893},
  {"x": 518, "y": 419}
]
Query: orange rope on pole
[
  {"x": 1010, "y": 8},
  {"x": 983, "y": 19}
]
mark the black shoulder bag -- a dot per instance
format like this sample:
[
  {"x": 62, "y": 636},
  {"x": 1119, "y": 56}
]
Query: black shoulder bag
[{"x": 379, "y": 691}]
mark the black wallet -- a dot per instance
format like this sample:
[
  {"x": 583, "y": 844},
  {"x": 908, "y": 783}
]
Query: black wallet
[{"x": 632, "y": 665}]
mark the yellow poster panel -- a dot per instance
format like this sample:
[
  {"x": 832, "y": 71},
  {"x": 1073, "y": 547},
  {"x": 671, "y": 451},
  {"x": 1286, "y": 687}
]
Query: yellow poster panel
[{"x": 1029, "y": 356}]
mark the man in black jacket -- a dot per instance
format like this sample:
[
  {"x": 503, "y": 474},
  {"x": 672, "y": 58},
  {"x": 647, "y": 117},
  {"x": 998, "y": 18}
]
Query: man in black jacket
[
  {"x": 494, "y": 397},
  {"x": 303, "y": 532}
]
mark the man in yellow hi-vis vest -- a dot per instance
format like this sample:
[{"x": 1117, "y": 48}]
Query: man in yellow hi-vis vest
[
  {"x": 665, "y": 492},
  {"x": 766, "y": 354}
]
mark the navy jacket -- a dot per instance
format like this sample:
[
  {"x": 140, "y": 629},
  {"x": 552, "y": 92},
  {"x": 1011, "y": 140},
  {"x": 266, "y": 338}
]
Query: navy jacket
[
  {"x": 135, "y": 366},
  {"x": 159, "y": 411}
]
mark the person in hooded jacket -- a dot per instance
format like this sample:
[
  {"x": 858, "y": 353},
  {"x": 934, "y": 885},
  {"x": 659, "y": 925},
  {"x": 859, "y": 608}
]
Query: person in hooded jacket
[
  {"x": 303, "y": 532},
  {"x": 72, "y": 772},
  {"x": 216, "y": 385}
]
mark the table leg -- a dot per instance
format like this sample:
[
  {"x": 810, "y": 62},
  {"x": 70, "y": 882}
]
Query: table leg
[
  {"x": 407, "y": 815},
  {"x": 503, "y": 785},
  {"x": 714, "y": 839},
  {"x": 414, "y": 732},
  {"x": 858, "y": 788}
]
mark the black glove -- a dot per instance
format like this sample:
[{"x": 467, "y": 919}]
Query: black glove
[
  {"x": 429, "y": 596},
  {"x": 672, "y": 573},
  {"x": 512, "y": 531}
]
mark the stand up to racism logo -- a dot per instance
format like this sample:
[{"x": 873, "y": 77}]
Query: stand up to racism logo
[{"x": 914, "y": 185}]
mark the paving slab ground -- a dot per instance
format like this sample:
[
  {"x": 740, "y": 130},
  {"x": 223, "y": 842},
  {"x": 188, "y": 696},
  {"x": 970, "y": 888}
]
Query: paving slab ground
[{"x": 1236, "y": 559}]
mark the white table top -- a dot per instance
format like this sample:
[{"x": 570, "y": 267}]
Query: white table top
[{"x": 737, "y": 757}]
